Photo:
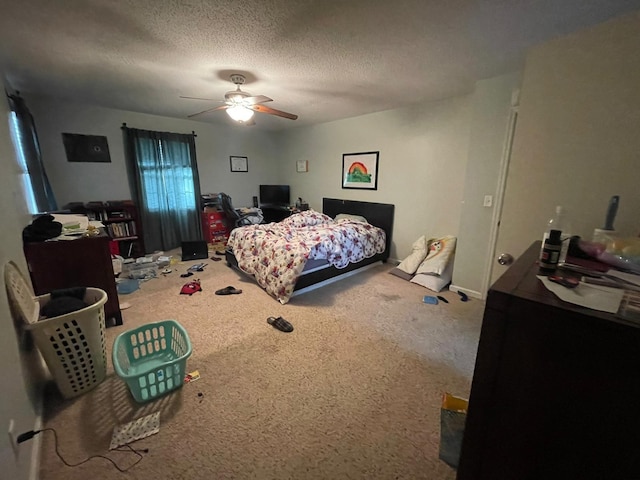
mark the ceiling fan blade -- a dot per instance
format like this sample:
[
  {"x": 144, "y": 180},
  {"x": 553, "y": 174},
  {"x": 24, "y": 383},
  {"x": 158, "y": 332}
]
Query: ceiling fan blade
[
  {"x": 221, "y": 107},
  {"x": 198, "y": 98},
  {"x": 273, "y": 111},
  {"x": 257, "y": 99}
]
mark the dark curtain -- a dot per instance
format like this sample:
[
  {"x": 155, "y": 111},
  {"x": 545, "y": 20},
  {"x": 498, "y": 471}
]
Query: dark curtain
[
  {"x": 29, "y": 156},
  {"x": 163, "y": 177}
]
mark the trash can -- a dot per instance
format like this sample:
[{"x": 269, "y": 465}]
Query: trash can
[{"x": 72, "y": 345}]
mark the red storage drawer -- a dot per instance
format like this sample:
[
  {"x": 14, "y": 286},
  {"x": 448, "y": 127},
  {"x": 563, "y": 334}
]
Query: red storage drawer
[
  {"x": 214, "y": 227},
  {"x": 213, "y": 216}
]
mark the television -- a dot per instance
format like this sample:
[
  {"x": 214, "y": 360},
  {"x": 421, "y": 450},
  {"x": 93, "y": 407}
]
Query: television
[{"x": 274, "y": 196}]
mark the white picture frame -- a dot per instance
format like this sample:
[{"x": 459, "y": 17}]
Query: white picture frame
[
  {"x": 239, "y": 164},
  {"x": 302, "y": 166},
  {"x": 360, "y": 170}
]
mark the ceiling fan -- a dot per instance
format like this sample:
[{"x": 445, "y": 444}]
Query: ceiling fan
[{"x": 240, "y": 105}]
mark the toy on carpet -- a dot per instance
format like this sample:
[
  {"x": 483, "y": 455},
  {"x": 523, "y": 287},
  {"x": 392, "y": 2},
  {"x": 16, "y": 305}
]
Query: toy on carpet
[{"x": 191, "y": 287}]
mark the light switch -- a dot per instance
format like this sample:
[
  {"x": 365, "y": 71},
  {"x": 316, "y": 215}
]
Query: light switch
[{"x": 488, "y": 201}]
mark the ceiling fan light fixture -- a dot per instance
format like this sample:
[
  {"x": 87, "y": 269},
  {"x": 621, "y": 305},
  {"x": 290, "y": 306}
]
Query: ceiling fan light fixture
[{"x": 240, "y": 113}]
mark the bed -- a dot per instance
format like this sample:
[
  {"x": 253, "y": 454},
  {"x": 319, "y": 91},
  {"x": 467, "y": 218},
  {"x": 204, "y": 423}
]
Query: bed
[{"x": 316, "y": 272}]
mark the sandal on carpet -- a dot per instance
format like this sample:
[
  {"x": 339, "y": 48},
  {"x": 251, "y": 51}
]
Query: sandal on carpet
[
  {"x": 280, "y": 323},
  {"x": 228, "y": 291}
]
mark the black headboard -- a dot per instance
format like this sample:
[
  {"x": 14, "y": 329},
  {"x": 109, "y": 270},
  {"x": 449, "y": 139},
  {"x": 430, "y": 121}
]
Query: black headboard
[{"x": 378, "y": 214}]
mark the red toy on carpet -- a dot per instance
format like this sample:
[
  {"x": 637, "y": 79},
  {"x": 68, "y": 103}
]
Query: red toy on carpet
[{"x": 191, "y": 287}]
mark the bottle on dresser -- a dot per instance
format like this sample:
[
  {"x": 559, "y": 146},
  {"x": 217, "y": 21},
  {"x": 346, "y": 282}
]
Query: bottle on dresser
[
  {"x": 560, "y": 221},
  {"x": 551, "y": 251}
]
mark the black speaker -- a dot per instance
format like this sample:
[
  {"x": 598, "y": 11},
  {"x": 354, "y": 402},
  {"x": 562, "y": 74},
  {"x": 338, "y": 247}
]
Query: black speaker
[{"x": 255, "y": 201}]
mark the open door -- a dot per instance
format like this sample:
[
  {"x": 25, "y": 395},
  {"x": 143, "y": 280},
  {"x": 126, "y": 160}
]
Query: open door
[{"x": 502, "y": 239}]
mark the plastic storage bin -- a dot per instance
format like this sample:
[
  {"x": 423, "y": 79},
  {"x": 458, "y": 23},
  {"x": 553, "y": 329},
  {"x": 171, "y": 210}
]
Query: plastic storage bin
[
  {"x": 152, "y": 359},
  {"x": 141, "y": 271},
  {"x": 72, "y": 345}
]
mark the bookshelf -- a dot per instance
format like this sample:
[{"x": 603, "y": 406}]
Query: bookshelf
[{"x": 122, "y": 224}]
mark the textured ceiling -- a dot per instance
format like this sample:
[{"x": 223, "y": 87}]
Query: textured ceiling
[{"x": 320, "y": 59}]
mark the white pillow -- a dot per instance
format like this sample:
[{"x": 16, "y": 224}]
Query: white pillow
[
  {"x": 441, "y": 252},
  {"x": 415, "y": 258},
  {"x": 434, "y": 282},
  {"x": 348, "y": 216}
]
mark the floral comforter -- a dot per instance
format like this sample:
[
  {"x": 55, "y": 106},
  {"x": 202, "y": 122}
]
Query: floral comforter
[{"x": 276, "y": 253}]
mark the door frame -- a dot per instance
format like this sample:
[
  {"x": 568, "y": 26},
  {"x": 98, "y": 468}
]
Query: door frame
[{"x": 502, "y": 184}]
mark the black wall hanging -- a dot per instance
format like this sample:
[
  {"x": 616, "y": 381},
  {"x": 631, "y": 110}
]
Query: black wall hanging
[{"x": 86, "y": 148}]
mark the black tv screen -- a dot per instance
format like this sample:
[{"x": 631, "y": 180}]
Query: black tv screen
[{"x": 275, "y": 195}]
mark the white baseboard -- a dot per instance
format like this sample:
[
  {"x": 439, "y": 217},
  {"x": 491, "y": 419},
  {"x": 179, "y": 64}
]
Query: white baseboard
[{"x": 471, "y": 293}]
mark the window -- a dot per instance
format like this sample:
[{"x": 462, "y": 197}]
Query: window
[
  {"x": 38, "y": 193},
  {"x": 167, "y": 184},
  {"x": 18, "y": 145}
]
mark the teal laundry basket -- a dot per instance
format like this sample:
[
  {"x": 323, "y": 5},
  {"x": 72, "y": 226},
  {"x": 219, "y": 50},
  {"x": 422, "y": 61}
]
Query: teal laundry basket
[{"x": 152, "y": 359}]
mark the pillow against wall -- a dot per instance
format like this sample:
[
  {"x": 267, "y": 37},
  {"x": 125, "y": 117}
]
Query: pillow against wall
[
  {"x": 441, "y": 251},
  {"x": 416, "y": 257},
  {"x": 434, "y": 282},
  {"x": 348, "y": 216}
]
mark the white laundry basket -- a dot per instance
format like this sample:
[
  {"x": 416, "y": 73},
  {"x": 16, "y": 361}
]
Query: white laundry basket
[{"x": 72, "y": 345}]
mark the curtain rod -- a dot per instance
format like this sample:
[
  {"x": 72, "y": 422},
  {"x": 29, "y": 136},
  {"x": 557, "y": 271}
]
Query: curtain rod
[{"x": 124, "y": 125}]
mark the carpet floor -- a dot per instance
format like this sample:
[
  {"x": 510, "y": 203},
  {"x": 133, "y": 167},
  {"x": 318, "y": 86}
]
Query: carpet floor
[{"x": 353, "y": 392}]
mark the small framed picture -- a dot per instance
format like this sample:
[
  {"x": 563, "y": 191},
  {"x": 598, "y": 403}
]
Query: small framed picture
[
  {"x": 239, "y": 164},
  {"x": 302, "y": 166},
  {"x": 360, "y": 170}
]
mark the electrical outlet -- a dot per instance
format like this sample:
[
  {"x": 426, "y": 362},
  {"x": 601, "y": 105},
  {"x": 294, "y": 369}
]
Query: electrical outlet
[
  {"x": 488, "y": 201},
  {"x": 12, "y": 437}
]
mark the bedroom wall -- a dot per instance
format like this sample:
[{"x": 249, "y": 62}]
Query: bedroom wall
[
  {"x": 18, "y": 399},
  {"x": 107, "y": 181},
  {"x": 577, "y": 141},
  {"x": 423, "y": 156}
]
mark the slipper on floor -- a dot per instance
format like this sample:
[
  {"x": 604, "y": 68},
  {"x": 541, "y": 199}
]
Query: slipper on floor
[
  {"x": 228, "y": 291},
  {"x": 280, "y": 323}
]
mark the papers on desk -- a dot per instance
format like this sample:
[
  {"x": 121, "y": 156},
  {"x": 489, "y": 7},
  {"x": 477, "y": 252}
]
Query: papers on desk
[
  {"x": 74, "y": 226},
  {"x": 629, "y": 277},
  {"x": 596, "y": 297}
]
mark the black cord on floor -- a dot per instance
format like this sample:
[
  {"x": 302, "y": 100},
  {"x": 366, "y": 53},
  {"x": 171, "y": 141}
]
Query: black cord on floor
[{"x": 118, "y": 449}]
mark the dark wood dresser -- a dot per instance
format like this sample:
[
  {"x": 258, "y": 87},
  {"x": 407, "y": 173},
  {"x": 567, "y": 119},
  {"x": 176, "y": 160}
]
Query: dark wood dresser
[
  {"x": 555, "y": 390},
  {"x": 85, "y": 262}
]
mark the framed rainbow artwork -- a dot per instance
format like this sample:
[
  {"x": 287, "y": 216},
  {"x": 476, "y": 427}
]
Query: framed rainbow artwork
[{"x": 360, "y": 170}]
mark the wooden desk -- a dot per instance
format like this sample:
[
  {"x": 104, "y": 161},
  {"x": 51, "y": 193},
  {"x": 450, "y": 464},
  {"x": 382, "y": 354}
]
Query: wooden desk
[
  {"x": 275, "y": 214},
  {"x": 85, "y": 262},
  {"x": 555, "y": 388}
]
